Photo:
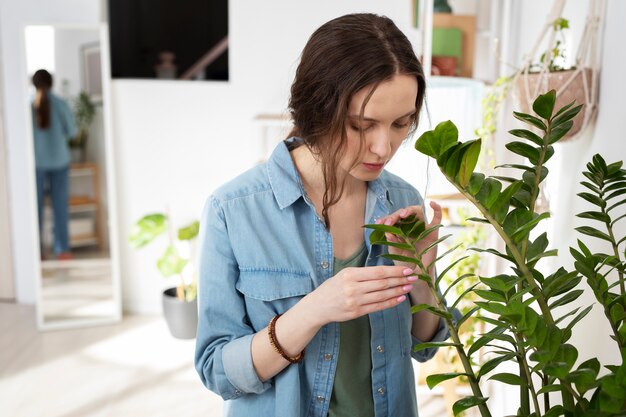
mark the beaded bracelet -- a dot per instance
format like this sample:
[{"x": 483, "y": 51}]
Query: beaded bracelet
[{"x": 271, "y": 331}]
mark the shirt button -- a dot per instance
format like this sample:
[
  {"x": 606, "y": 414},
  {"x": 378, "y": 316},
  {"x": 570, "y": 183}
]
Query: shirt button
[
  {"x": 320, "y": 398},
  {"x": 324, "y": 264},
  {"x": 237, "y": 392},
  {"x": 379, "y": 349},
  {"x": 381, "y": 391},
  {"x": 328, "y": 356}
]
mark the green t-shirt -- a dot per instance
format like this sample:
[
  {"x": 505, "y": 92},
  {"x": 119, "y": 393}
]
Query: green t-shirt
[{"x": 352, "y": 389}]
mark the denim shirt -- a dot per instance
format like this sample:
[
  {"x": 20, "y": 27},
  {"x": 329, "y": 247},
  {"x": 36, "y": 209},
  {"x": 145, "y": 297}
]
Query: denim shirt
[{"x": 262, "y": 248}]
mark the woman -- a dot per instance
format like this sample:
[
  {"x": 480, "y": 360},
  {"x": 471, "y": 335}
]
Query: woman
[
  {"x": 299, "y": 316},
  {"x": 53, "y": 125}
]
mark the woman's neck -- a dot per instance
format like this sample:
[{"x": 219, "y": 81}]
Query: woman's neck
[{"x": 310, "y": 170}]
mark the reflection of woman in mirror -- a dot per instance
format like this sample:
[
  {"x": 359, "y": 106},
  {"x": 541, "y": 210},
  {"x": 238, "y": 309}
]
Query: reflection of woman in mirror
[{"x": 53, "y": 124}]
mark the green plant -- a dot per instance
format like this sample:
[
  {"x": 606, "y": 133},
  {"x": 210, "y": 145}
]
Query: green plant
[
  {"x": 172, "y": 262},
  {"x": 84, "y": 112},
  {"x": 524, "y": 307}
]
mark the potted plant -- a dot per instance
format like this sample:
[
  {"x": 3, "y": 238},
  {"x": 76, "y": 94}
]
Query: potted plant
[
  {"x": 528, "y": 309},
  {"x": 179, "y": 302},
  {"x": 84, "y": 112},
  {"x": 548, "y": 72}
]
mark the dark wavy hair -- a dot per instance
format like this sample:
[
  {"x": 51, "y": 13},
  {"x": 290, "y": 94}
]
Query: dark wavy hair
[
  {"x": 342, "y": 57},
  {"x": 42, "y": 80}
]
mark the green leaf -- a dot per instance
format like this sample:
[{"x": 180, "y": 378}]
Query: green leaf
[
  {"x": 475, "y": 182},
  {"x": 189, "y": 232},
  {"x": 435, "y": 142},
  {"x": 555, "y": 411},
  {"x": 595, "y": 215},
  {"x": 564, "y": 116},
  {"x": 617, "y": 313},
  {"x": 491, "y": 364},
  {"x": 429, "y": 345},
  {"x": 518, "y": 234},
  {"x": 401, "y": 258},
  {"x": 549, "y": 388},
  {"x": 468, "y": 162},
  {"x": 453, "y": 163},
  {"x": 544, "y": 104},
  {"x": 171, "y": 263},
  {"x": 384, "y": 228},
  {"x": 484, "y": 339},
  {"x": 567, "y": 298},
  {"x": 583, "y": 379},
  {"x": 527, "y": 134},
  {"x": 558, "y": 132},
  {"x": 593, "y": 199},
  {"x": 467, "y": 402},
  {"x": 525, "y": 150},
  {"x": 433, "y": 380},
  {"x": 590, "y": 231},
  {"x": 490, "y": 295},
  {"x": 147, "y": 229},
  {"x": 489, "y": 192},
  {"x": 554, "y": 282},
  {"x": 399, "y": 245},
  {"x": 564, "y": 109},
  {"x": 501, "y": 206},
  {"x": 615, "y": 194},
  {"x": 420, "y": 307},
  {"x": 467, "y": 316},
  {"x": 516, "y": 219},
  {"x": 537, "y": 247},
  {"x": 508, "y": 378},
  {"x": 527, "y": 118},
  {"x": 493, "y": 252}
]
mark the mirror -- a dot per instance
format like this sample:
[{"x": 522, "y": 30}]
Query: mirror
[{"x": 66, "y": 74}]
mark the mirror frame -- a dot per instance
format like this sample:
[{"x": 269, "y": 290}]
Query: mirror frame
[{"x": 112, "y": 220}]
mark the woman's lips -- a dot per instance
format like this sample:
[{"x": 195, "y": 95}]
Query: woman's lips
[{"x": 373, "y": 167}]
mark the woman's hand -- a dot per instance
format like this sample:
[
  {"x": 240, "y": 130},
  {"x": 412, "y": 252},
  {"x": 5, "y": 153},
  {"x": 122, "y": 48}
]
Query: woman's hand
[
  {"x": 354, "y": 292},
  {"x": 390, "y": 220}
]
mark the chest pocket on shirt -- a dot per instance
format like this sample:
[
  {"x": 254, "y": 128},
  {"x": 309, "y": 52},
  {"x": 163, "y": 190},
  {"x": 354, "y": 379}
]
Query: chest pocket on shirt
[{"x": 270, "y": 285}]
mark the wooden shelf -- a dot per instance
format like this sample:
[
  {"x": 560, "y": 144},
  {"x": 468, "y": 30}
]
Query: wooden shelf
[{"x": 85, "y": 206}]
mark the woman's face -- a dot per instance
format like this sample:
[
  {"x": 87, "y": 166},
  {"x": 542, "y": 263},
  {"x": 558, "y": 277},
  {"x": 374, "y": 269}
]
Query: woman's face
[{"x": 386, "y": 122}]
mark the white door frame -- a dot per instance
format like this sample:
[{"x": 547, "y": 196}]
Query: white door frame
[{"x": 7, "y": 280}]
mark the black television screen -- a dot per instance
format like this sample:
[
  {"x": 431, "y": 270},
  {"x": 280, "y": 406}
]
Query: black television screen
[{"x": 169, "y": 39}]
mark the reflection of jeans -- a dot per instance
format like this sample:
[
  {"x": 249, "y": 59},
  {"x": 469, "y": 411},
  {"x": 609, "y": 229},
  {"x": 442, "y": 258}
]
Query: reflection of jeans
[{"x": 56, "y": 182}]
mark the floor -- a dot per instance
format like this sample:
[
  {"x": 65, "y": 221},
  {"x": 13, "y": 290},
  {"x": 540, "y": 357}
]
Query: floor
[{"x": 134, "y": 368}]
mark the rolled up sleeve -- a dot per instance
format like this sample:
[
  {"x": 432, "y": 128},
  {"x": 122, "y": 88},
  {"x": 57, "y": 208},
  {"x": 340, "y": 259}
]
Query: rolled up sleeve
[
  {"x": 441, "y": 334},
  {"x": 223, "y": 356}
]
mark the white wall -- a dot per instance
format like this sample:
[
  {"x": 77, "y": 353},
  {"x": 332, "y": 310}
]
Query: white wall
[{"x": 68, "y": 59}]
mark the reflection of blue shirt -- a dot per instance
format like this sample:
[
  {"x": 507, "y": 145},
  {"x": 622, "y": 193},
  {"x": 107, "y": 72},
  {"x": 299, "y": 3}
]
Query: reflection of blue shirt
[
  {"x": 262, "y": 249},
  {"x": 51, "y": 149}
]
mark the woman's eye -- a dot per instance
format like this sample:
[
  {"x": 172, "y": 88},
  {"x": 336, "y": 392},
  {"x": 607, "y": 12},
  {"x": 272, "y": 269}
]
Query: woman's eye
[
  {"x": 360, "y": 128},
  {"x": 401, "y": 125}
]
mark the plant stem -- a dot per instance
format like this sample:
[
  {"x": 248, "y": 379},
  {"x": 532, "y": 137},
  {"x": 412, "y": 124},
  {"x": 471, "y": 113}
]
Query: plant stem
[
  {"x": 525, "y": 374},
  {"x": 519, "y": 260},
  {"x": 609, "y": 229},
  {"x": 454, "y": 335}
]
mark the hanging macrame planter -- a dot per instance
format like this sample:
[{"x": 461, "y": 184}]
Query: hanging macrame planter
[{"x": 578, "y": 84}]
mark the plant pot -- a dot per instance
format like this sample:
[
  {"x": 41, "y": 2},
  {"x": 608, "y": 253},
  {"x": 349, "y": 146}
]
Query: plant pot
[
  {"x": 574, "y": 90},
  {"x": 181, "y": 316}
]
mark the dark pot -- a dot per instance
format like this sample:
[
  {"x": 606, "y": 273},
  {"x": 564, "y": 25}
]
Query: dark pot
[{"x": 181, "y": 316}]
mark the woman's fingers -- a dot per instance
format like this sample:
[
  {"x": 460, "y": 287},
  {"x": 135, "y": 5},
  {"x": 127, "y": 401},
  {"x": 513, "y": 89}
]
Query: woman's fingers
[{"x": 436, "y": 214}]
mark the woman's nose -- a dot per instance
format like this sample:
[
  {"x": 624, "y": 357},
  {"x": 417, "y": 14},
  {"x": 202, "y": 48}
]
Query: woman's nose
[{"x": 380, "y": 143}]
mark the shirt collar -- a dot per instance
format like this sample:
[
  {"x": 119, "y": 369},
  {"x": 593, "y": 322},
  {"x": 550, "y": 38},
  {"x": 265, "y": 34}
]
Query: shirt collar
[{"x": 287, "y": 185}]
